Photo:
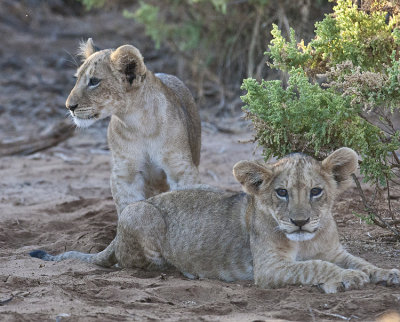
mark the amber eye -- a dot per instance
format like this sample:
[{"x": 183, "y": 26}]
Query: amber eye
[
  {"x": 93, "y": 82},
  {"x": 283, "y": 193},
  {"x": 315, "y": 192}
]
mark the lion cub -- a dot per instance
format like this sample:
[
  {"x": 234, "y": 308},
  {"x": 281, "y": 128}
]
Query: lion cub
[
  {"x": 280, "y": 232},
  {"x": 154, "y": 133}
]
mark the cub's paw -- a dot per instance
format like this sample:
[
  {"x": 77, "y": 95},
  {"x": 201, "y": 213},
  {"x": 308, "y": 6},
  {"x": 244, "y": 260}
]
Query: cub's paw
[
  {"x": 387, "y": 277},
  {"x": 346, "y": 279}
]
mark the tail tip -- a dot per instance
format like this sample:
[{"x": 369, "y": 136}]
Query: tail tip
[{"x": 38, "y": 253}]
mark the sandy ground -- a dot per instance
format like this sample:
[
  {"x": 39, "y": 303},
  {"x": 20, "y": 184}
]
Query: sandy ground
[{"x": 59, "y": 199}]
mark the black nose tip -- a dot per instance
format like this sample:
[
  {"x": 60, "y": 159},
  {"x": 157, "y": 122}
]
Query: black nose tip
[
  {"x": 72, "y": 107},
  {"x": 300, "y": 223}
]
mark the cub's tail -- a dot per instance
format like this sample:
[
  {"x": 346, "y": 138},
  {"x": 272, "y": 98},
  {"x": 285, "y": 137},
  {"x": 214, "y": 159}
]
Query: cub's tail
[{"x": 105, "y": 258}]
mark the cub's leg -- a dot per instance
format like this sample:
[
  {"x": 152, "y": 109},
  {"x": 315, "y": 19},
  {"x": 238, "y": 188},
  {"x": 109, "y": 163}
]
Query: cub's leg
[
  {"x": 127, "y": 182},
  {"x": 276, "y": 271},
  {"x": 180, "y": 170},
  {"x": 156, "y": 182},
  {"x": 344, "y": 259},
  {"x": 140, "y": 235}
]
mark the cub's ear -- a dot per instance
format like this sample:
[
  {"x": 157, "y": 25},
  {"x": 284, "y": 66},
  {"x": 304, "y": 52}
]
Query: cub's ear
[
  {"x": 251, "y": 175},
  {"x": 86, "y": 49},
  {"x": 341, "y": 163},
  {"x": 129, "y": 61}
]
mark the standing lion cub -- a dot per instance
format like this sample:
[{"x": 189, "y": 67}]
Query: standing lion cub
[
  {"x": 280, "y": 232},
  {"x": 154, "y": 133}
]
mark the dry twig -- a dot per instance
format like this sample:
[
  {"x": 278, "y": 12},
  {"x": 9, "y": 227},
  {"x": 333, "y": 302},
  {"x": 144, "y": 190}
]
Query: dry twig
[
  {"x": 373, "y": 212},
  {"x": 337, "y": 315},
  {"x": 56, "y": 134}
]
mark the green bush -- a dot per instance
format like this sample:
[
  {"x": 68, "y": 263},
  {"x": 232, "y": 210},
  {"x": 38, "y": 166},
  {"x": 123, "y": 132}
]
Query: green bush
[
  {"x": 356, "y": 51},
  {"x": 90, "y": 4}
]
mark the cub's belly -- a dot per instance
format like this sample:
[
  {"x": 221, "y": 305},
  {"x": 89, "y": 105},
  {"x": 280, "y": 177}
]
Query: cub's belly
[{"x": 202, "y": 258}]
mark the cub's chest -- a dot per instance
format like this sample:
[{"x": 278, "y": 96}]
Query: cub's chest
[
  {"x": 128, "y": 142},
  {"x": 137, "y": 149},
  {"x": 306, "y": 250},
  {"x": 135, "y": 126}
]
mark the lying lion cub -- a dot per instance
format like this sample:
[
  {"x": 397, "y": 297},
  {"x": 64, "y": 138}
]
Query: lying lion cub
[
  {"x": 280, "y": 232},
  {"x": 154, "y": 133}
]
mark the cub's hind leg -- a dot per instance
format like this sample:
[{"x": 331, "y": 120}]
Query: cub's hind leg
[{"x": 140, "y": 234}]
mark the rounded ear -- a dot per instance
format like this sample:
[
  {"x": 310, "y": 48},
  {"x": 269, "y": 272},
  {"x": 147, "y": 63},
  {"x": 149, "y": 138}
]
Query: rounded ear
[
  {"x": 341, "y": 163},
  {"x": 86, "y": 49},
  {"x": 129, "y": 61},
  {"x": 251, "y": 175}
]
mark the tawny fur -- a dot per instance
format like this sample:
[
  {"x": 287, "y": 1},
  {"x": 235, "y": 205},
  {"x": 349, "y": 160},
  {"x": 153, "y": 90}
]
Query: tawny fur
[
  {"x": 154, "y": 133},
  {"x": 247, "y": 235}
]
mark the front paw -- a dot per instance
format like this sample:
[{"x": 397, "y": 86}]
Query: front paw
[
  {"x": 346, "y": 279},
  {"x": 387, "y": 277}
]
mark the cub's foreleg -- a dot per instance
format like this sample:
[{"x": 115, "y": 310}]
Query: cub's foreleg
[
  {"x": 344, "y": 259},
  {"x": 277, "y": 271},
  {"x": 127, "y": 182}
]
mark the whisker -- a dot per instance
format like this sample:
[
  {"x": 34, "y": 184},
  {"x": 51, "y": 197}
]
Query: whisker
[
  {"x": 277, "y": 228},
  {"x": 74, "y": 61}
]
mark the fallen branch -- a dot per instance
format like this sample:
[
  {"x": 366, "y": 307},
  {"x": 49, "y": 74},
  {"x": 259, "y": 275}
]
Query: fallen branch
[
  {"x": 339, "y": 316},
  {"x": 51, "y": 137},
  {"x": 3, "y": 302}
]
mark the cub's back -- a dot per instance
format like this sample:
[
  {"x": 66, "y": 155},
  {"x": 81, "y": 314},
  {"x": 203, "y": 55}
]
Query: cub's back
[{"x": 189, "y": 113}]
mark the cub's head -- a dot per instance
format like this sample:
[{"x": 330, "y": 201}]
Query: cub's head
[
  {"x": 297, "y": 191},
  {"x": 104, "y": 81}
]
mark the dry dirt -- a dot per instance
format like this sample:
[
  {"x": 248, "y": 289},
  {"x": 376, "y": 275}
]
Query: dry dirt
[{"x": 59, "y": 199}]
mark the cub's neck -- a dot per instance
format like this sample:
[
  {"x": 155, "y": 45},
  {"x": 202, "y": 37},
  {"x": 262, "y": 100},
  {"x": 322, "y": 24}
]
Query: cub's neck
[{"x": 144, "y": 110}]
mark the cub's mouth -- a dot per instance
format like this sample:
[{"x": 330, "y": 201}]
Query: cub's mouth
[
  {"x": 300, "y": 235},
  {"x": 90, "y": 117},
  {"x": 94, "y": 116},
  {"x": 86, "y": 121},
  {"x": 299, "y": 229}
]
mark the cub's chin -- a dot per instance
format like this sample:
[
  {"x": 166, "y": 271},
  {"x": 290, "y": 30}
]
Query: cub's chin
[
  {"x": 83, "y": 123},
  {"x": 300, "y": 236}
]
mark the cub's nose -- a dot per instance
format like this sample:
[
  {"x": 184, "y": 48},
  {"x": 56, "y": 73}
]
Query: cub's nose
[
  {"x": 72, "y": 107},
  {"x": 300, "y": 223}
]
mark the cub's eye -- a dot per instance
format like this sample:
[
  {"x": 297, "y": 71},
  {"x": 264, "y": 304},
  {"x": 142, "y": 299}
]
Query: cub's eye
[
  {"x": 315, "y": 192},
  {"x": 281, "y": 193},
  {"x": 93, "y": 81}
]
